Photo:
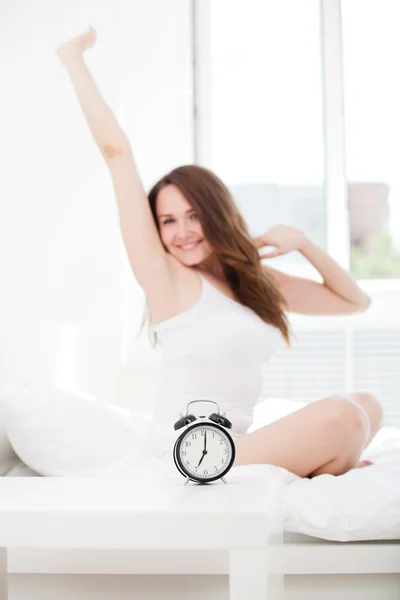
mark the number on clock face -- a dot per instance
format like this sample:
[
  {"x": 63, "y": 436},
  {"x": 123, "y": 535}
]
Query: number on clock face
[{"x": 205, "y": 451}]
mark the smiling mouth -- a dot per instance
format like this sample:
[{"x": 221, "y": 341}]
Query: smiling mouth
[{"x": 189, "y": 247}]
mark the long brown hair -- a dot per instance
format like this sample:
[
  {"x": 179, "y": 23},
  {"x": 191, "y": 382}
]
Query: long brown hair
[{"x": 228, "y": 235}]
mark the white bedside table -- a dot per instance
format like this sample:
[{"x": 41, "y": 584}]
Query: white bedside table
[{"x": 158, "y": 513}]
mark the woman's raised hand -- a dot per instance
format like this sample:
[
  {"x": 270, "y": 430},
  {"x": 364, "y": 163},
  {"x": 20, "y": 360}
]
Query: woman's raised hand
[
  {"x": 281, "y": 237},
  {"x": 77, "y": 45}
]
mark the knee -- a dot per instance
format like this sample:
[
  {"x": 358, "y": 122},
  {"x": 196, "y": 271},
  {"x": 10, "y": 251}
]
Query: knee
[
  {"x": 346, "y": 420},
  {"x": 346, "y": 429},
  {"x": 371, "y": 405}
]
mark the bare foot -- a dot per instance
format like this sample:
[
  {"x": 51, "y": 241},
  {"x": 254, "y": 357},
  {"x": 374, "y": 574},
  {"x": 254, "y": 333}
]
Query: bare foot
[{"x": 363, "y": 463}]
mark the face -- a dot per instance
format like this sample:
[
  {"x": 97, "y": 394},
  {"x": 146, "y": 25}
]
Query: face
[{"x": 180, "y": 228}]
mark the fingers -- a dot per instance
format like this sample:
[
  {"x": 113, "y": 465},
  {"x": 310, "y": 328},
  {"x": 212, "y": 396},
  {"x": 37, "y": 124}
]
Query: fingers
[
  {"x": 92, "y": 32},
  {"x": 270, "y": 254},
  {"x": 258, "y": 242},
  {"x": 78, "y": 44}
]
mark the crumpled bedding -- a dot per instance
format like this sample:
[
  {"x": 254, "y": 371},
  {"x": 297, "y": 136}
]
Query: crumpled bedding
[{"x": 363, "y": 504}]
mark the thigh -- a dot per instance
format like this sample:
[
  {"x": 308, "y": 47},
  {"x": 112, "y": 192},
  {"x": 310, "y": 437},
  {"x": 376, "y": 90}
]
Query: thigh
[{"x": 303, "y": 441}]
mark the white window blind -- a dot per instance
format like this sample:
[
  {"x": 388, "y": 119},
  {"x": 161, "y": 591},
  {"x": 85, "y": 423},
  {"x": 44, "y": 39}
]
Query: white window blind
[{"x": 338, "y": 360}]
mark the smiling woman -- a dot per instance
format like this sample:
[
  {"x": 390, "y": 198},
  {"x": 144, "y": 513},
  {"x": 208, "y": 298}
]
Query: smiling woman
[
  {"x": 218, "y": 313},
  {"x": 199, "y": 209}
]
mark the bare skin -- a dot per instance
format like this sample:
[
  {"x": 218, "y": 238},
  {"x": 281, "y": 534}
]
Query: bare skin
[
  {"x": 324, "y": 437},
  {"x": 327, "y": 436}
]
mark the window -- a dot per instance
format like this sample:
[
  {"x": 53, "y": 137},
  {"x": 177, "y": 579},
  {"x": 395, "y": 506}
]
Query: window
[
  {"x": 372, "y": 123},
  {"x": 260, "y": 110},
  {"x": 303, "y": 125}
]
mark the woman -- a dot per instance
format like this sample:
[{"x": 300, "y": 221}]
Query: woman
[{"x": 218, "y": 312}]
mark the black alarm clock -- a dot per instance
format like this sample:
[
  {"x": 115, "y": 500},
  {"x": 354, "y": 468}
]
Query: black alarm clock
[{"x": 204, "y": 451}]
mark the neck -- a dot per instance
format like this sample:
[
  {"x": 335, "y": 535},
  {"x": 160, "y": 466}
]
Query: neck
[{"x": 212, "y": 266}]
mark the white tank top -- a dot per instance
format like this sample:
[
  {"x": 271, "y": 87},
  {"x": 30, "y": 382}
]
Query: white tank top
[{"x": 216, "y": 351}]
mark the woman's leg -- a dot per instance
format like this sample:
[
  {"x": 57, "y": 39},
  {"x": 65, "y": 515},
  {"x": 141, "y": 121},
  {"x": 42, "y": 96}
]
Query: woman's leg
[
  {"x": 373, "y": 409},
  {"x": 327, "y": 436}
]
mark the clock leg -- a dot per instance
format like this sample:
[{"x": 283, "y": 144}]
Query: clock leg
[
  {"x": 3, "y": 574},
  {"x": 250, "y": 576}
]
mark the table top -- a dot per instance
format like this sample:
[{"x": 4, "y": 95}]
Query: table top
[
  {"x": 158, "y": 512},
  {"x": 248, "y": 489}
]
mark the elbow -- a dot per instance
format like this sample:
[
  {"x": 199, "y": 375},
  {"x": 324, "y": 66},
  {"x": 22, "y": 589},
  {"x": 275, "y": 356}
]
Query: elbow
[
  {"x": 115, "y": 146},
  {"x": 112, "y": 151}
]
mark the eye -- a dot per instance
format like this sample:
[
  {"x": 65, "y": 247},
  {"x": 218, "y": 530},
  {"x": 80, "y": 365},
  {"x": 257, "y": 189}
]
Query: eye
[{"x": 167, "y": 221}]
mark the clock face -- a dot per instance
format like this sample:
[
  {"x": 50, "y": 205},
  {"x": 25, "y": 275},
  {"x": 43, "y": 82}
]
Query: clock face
[{"x": 204, "y": 452}]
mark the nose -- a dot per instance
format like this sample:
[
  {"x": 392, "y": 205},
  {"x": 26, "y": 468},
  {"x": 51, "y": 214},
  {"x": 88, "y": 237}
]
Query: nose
[{"x": 183, "y": 229}]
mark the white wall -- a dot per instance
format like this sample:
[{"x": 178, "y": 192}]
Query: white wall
[
  {"x": 61, "y": 304},
  {"x": 161, "y": 129}
]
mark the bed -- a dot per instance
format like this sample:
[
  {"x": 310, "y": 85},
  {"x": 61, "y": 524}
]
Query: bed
[{"x": 341, "y": 539}]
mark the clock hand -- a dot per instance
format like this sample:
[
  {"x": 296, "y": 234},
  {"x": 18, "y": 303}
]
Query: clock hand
[
  {"x": 201, "y": 460},
  {"x": 205, "y": 439},
  {"x": 202, "y": 456}
]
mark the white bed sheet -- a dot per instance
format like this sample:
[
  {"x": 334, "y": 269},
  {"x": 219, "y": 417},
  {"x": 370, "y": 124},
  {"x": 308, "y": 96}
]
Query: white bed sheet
[{"x": 362, "y": 504}]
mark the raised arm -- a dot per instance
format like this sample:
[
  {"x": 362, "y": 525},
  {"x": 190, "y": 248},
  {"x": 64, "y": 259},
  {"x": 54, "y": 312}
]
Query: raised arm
[{"x": 144, "y": 248}]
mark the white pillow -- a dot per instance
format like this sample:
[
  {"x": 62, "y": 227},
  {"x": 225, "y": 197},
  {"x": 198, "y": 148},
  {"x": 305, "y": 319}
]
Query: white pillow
[
  {"x": 271, "y": 409},
  {"x": 8, "y": 459},
  {"x": 64, "y": 433}
]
